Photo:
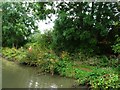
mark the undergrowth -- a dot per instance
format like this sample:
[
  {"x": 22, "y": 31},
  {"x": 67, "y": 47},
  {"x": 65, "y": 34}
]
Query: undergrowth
[{"x": 102, "y": 72}]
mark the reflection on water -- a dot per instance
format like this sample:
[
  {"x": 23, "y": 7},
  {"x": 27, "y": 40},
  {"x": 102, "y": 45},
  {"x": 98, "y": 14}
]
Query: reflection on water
[{"x": 16, "y": 76}]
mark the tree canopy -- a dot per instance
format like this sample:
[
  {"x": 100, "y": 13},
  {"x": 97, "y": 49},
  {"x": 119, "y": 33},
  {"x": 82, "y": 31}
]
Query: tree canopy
[
  {"x": 86, "y": 26},
  {"x": 19, "y": 20}
]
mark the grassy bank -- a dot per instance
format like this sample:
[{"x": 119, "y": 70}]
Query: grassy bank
[{"x": 94, "y": 72}]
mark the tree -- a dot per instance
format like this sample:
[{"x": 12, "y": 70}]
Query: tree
[
  {"x": 19, "y": 21},
  {"x": 87, "y": 27}
]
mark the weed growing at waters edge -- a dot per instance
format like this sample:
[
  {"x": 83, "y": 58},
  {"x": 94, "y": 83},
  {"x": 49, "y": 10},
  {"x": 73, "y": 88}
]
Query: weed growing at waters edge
[
  {"x": 14, "y": 54},
  {"x": 101, "y": 78},
  {"x": 106, "y": 81},
  {"x": 48, "y": 61}
]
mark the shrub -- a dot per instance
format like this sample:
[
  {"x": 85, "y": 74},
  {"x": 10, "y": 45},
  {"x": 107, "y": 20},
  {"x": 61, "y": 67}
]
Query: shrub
[
  {"x": 65, "y": 56},
  {"x": 44, "y": 40},
  {"x": 64, "y": 65},
  {"x": 49, "y": 62},
  {"x": 14, "y": 54},
  {"x": 116, "y": 46},
  {"x": 65, "y": 68},
  {"x": 101, "y": 78},
  {"x": 32, "y": 57},
  {"x": 106, "y": 81},
  {"x": 35, "y": 55}
]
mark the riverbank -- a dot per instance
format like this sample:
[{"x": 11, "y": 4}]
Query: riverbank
[{"x": 86, "y": 72}]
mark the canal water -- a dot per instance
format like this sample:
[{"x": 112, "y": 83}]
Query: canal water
[{"x": 18, "y": 76}]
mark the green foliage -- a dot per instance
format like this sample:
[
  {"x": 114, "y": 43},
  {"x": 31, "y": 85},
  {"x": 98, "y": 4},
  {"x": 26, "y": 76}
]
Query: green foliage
[
  {"x": 48, "y": 61},
  {"x": 116, "y": 46},
  {"x": 17, "y": 24},
  {"x": 44, "y": 40},
  {"x": 84, "y": 27},
  {"x": 103, "y": 60},
  {"x": 14, "y": 54},
  {"x": 80, "y": 73},
  {"x": 79, "y": 28},
  {"x": 64, "y": 68},
  {"x": 35, "y": 54},
  {"x": 51, "y": 61},
  {"x": 99, "y": 61},
  {"x": 31, "y": 57},
  {"x": 65, "y": 56},
  {"x": 106, "y": 81},
  {"x": 101, "y": 78},
  {"x": 80, "y": 56},
  {"x": 41, "y": 57},
  {"x": 19, "y": 21}
]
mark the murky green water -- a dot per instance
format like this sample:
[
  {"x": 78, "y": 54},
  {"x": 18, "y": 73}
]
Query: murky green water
[{"x": 17, "y": 76}]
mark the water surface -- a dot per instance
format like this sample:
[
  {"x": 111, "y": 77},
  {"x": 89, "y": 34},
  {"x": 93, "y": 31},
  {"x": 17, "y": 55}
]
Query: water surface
[{"x": 17, "y": 76}]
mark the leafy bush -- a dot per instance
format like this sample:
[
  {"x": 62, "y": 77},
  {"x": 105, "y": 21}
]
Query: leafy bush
[
  {"x": 65, "y": 56},
  {"x": 49, "y": 62},
  {"x": 35, "y": 55},
  {"x": 99, "y": 61},
  {"x": 106, "y": 81},
  {"x": 65, "y": 68},
  {"x": 14, "y": 54},
  {"x": 46, "y": 59},
  {"x": 101, "y": 78},
  {"x": 103, "y": 60},
  {"x": 116, "y": 46},
  {"x": 31, "y": 57},
  {"x": 80, "y": 56},
  {"x": 80, "y": 73},
  {"x": 43, "y": 40}
]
